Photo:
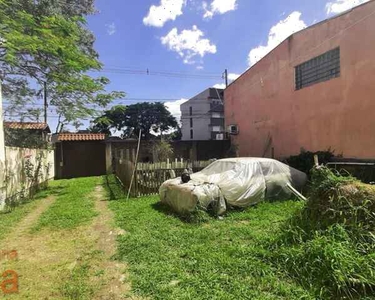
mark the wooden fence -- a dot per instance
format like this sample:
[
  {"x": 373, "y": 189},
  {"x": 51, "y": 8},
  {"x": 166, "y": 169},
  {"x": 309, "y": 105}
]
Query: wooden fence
[{"x": 149, "y": 176}]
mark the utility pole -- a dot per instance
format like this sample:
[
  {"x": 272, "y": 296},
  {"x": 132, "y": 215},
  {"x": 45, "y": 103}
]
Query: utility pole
[
  {"x": 226, "y": 77},
  {"x": 45, "y": 102}
]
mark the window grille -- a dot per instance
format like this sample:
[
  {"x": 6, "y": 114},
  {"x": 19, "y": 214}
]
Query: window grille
[{"x": 318, "y": 69}]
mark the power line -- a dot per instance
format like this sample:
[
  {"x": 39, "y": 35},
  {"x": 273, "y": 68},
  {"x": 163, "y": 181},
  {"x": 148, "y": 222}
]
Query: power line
[
  {"x": 149, "y": 72},
  {"x": 118, "y": 102},
  {"x": 145, "y": 68}
]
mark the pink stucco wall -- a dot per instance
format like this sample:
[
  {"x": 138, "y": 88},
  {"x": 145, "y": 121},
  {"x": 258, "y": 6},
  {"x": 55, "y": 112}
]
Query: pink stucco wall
[{"x": 339, "y": 113}]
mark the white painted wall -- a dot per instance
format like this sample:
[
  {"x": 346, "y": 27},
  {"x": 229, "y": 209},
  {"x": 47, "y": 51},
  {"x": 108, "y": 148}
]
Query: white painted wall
[
  {"x": 2, "y": 154},
  {"x": 16, "y": 160}
]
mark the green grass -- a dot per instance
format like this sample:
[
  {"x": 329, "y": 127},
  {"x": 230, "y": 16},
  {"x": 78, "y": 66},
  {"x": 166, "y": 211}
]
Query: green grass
[
  {"x": 9, "y": 219},
  {"x": 329, "y": 245},
  {"x": 76, "y": 284},
  {"x": 74, "y": 205},
  {"x": 214, "y": 259}
]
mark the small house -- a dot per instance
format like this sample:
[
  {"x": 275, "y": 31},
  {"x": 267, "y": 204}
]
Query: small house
[
  {"x": 79, "y": 155},
  {"x": 27, "y": 134}
]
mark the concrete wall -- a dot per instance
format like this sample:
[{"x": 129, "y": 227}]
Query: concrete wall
[
  {"x": 192, "y": 150},
  {"x": 2, "y": 153},
  {"x": 338, "y": 113},
  {"x": 20, "y": 163}
]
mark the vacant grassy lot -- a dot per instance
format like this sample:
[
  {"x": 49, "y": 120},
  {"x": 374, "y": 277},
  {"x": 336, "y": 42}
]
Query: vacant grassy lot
[
  {"x": 65, "y": 241},
  {"x": 73, "y": 206},
  {"x": 217, "y": 259}
]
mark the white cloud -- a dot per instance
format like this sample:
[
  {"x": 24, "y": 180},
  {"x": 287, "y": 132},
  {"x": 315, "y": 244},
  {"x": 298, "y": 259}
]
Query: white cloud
[
  {"x": 233, "y": 76},
  {"x": 168, "y": 10},
  {"x": 339, "y": 6},
  {"x": 188, "y": 44},
  {"x": 277, "y": 34},
  {"x": 200, "y": 68},
  {"x": 111, "y": 28},
  {"x": 218, "y": 7},
  {"x": 174, "y": 108},
  {"x": 219, "y": 86}
]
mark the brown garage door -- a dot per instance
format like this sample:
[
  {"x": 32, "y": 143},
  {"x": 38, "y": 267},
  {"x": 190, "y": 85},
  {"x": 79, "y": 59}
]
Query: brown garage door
[{"x": 80, "y": 159}]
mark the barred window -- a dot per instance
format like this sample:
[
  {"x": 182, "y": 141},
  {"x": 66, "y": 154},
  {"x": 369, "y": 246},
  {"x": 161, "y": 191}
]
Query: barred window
[{"x": 318, "y": 69}]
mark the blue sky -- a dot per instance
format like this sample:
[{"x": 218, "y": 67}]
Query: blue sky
[{"x": 195, "y": 37}]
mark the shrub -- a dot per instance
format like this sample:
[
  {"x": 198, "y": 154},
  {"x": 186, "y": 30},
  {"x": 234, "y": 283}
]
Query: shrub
[
  {"x": 329, "y": 246},
  {"x": 305, "y": 160},
  {"x": 337, "y": 199}
]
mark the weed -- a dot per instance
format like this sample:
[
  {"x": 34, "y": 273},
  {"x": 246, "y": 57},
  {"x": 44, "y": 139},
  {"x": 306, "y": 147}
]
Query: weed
[{"x": 328, "y": 246}]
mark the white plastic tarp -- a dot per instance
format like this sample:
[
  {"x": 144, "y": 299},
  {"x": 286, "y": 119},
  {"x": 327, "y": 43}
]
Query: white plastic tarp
[{"x": 238, "y": 182}]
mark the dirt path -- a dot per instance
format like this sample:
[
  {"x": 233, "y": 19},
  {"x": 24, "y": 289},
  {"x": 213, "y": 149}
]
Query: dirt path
[
  {"x": 47, "y": 260},
  {"x": 22, "y": 228},
  {"x": 43, "y": 257},
  {"x": 113, "y": 282}
]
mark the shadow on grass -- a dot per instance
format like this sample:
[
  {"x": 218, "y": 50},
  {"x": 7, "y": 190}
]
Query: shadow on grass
[
  {"x": 42, "y": 193},
  {"x": 113, "y": 187},
  {"x": 50, "y": 191}
]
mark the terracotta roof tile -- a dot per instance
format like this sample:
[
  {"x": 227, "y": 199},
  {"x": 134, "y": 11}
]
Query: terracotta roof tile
[
  {"x": 27, "y": 125},
  {"x": 81, "y": 137}
]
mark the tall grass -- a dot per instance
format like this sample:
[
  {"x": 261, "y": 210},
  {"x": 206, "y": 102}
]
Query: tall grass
[{"x": 329, "y": 246}]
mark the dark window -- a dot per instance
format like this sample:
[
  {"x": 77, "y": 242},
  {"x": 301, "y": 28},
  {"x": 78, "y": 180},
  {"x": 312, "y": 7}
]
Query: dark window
[
  {"x": 318, "y": 69},
  {"x": 191, "y": 122},
  {"x": 191, "y": 111},
  {"x": 191, "y": 134}
]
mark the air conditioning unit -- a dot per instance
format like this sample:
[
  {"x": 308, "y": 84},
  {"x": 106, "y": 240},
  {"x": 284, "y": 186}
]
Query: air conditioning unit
[
  {"x": 233, "y": 129},
  {"x": 220, "y": 136}
]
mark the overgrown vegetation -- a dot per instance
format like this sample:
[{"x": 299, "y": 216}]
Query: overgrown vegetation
[
  {"x": 162, "y": 150},
  {"x": 23, "y": 138},
  {"x": 329, "y": 246},
  {"x": 33, "y": 179},
  {"x": 73, "y": 207},
  {"x": 305, "y": 160}
]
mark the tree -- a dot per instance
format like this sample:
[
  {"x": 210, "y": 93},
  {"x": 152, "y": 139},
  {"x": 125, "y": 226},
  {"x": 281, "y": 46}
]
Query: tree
[
  {"x": 48, "y": 42},
  {"x": 162, "y": 150},
  {"x": 148, "y": 117}
]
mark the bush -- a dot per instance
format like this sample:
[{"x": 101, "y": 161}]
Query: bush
[
  {"x": 329, "y": 246},
  {"x": 337, "y": 199},
  {"x": 305, "y": 160}
]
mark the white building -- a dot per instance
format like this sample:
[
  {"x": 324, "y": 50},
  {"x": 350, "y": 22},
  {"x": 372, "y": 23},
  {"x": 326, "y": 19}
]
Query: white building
[{"x": 202, "y": 117}]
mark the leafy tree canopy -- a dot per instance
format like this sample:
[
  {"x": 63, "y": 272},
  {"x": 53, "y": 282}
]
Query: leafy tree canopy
[
  {"x": 145, "y": 116},
  {"x": 48, "y": 42}
]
